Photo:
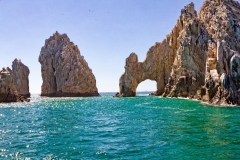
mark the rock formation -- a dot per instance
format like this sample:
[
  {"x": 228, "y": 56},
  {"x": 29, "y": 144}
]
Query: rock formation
[
  {"x": 20, "y": 74},
  {"x": 7, "y": 88},
  {"x": 221, "y": 20},
  {"x": 64, "y": 70},
  {"x": 172, "y": 61},
  {"x": 8, "y": 91},
  {"x": 198, "y": 59}
]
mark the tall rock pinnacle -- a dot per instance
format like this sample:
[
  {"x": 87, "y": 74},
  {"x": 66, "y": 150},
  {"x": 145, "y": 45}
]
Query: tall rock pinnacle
[
  {"x": 64, "y": 70},
  {"x": 20, "y": 74}
]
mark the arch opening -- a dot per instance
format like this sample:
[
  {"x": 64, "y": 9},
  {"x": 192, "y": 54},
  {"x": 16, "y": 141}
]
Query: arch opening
[{"x": 146, "y": 88}]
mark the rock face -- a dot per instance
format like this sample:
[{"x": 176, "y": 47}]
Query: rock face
[
  {"x": 20, "y": 74},
  {"x": 198, "y": 59},
  {"x": 221, "y": 19},
  {"x": 8, "y": 91},
  {"x": 175, "y": 61},
  {"x": 64, "y": 70}
]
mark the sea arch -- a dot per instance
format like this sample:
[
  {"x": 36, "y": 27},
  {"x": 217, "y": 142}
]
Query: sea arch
[{"x": 136, "y": 72}]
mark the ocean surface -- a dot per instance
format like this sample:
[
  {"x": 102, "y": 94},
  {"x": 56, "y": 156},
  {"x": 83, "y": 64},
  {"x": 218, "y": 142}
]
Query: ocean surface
[{"x": 118, "y": 128}]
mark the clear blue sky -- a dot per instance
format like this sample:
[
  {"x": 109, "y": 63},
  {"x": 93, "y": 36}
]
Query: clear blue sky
[{"x": 106, "y": 32}]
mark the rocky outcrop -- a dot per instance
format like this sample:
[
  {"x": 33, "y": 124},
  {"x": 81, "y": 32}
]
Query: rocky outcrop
[
  {"x": 20, "y": 74},
  {"x": 221, "y": 20},
  {"x": 177, "y": 61},
  {"x": 198, "y": 59},
  {"x": 188, "y": 68},
  {"x": 8, "y": 91},
  {"x": 64, "y": 71}
]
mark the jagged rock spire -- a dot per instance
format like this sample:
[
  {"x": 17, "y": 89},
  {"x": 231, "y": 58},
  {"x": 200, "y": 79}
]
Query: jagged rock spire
[{"x": 64, "y": 71}]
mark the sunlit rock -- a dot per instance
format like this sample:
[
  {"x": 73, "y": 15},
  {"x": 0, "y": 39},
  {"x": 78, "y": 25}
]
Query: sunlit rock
[
  {"x": 64, "y": 71},
  {"x": 198, "y": 59}
]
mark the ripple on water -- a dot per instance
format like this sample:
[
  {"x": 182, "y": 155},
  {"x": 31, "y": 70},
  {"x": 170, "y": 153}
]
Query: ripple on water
[{"x": 118, "y": 128}]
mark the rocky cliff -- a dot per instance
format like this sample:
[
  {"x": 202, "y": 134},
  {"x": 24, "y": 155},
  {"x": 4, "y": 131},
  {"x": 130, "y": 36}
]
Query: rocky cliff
[
  {"x": 20, "y": 74},
  {"x": 198, "y": 59},
  {"x": 64, "y": 71},
  {"x": 14, "y": 83},
  {"x": 221, "y": 20}
]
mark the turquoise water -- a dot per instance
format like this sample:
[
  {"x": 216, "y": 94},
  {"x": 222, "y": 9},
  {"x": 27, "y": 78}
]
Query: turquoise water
[{"x": 118, "y": 128}]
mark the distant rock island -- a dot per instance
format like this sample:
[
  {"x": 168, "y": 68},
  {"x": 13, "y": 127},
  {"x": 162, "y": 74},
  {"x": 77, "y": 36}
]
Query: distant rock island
[
  {"x": 65, "y": 73},
  {"x": 14, "y": 84},
  {"x": 199, "y": 59}
]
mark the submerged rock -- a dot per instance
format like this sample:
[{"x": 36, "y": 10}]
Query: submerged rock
[
  {"x": 198, "y": 59},
  {"x": 65, "y": 73},
  {"x": 20, "y": 74}
]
